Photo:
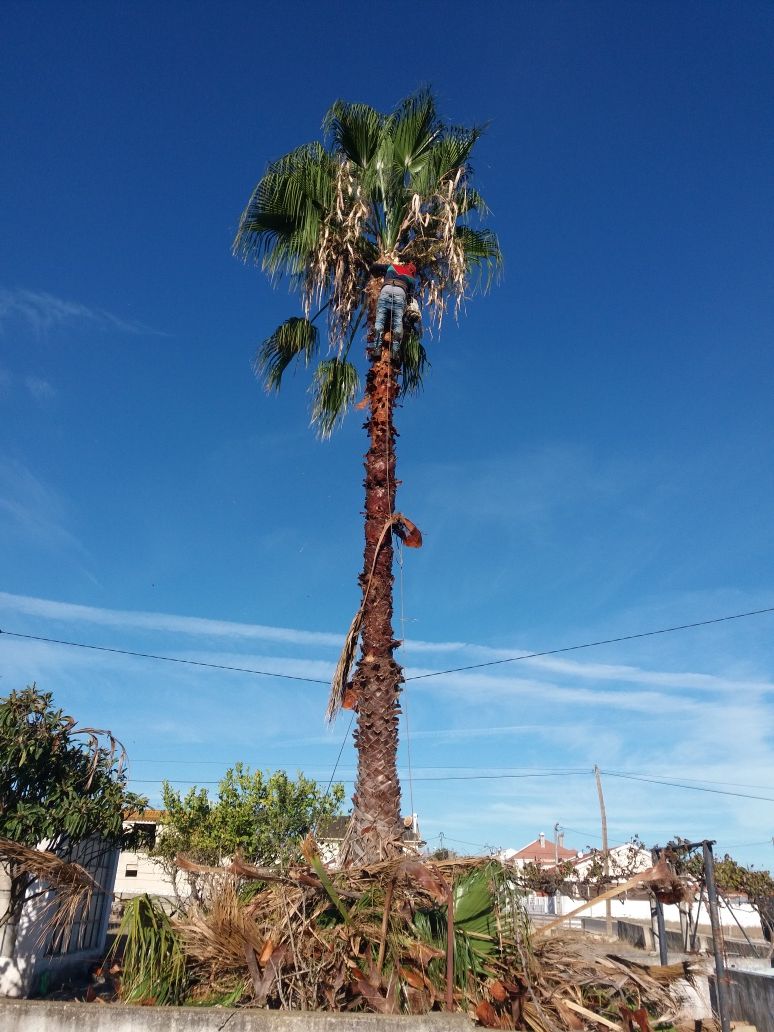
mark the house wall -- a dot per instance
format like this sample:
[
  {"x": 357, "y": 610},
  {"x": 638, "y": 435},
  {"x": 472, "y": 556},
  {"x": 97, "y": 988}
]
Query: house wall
[
  {"x": 639, "y": 910},
  {"x": 150, "y": 877}
]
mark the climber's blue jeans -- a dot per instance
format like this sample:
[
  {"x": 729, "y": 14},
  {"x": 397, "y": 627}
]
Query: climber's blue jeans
[{"x": 392, "y": 300}]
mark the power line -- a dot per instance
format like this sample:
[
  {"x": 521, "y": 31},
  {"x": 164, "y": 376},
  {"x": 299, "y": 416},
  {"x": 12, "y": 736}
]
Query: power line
[
  {"x": 415, "y": 677},
  {"x": 693, "y": 788},
  {"x": 341, "y": 750},
  {"x": 166, "y": 659},
  {"x": 499, "y": 777},
  {"x": 475, "y": 767},
  {"x": 593, "y": 644},
  {"x": 450, "y": 777}
]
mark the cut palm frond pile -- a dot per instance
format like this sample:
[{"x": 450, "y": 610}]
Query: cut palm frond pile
[{"x": 378, "y": 939}]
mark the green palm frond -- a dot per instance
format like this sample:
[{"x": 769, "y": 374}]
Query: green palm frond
[
  {"x": 448, "y": 154},
  {"x": 355, "y": 129},
  {"x": 483, "y": 257},
  {"x": 153, "y": 957},
  {"x": 281, "y": 224},
  {"x": 292, "y": 338},
  {"x": 470, "y": 200},
  {"x": 413, "y": 363},
  {"x": 334, "y": 388},
  {"x": 414, "y": 131}
]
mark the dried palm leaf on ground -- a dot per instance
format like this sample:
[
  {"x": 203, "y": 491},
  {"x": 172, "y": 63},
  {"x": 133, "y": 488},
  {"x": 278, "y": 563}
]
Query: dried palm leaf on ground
[{"x": 376, "y": 939}]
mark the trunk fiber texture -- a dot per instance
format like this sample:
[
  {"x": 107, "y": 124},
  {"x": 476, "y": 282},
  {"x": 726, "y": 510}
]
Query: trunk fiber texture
[{"x": 376, "y": 829}]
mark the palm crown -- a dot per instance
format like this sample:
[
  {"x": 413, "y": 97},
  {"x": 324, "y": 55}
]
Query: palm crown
[{"x": 382, "y": 187}]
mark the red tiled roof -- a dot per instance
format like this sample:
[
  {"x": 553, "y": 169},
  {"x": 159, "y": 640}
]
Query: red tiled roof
[{"x": 547, "y": 852}]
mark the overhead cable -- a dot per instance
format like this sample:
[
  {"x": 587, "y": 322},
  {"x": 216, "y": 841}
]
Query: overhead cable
[
  {"x": 693, "y": 788},
  {"x": 415, "y": 677}
]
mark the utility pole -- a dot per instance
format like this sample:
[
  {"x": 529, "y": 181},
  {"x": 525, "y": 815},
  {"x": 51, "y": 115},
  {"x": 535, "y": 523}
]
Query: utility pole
[
  {"x": 606, "y": 854},
  {"x": 556, "y": 866}
]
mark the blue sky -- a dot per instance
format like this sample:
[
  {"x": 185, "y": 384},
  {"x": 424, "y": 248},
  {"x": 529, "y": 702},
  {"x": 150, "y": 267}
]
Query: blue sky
[{"x": 591, "y": 457}]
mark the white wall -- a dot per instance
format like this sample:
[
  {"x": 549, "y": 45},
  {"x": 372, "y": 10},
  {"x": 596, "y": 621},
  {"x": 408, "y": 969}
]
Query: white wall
[
  {"x": 150, "y": 877},
  {"x": 639, "y": 910}
]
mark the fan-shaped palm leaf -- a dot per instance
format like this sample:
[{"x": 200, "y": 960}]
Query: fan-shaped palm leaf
[
  {"x": 292, "y": 338},
  {"x": 334, "y": 388},
  {"x": 355, "y": 130}
]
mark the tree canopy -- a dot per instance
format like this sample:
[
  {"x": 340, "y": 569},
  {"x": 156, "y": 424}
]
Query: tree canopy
[
  {"x": 261, "y": 816},
  {"x": 59, "y": 783},
  {"x": 394, "y": 186}
]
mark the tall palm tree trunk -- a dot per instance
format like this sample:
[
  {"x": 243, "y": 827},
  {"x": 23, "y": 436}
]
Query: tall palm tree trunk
[{"x": 376, "y": 825}]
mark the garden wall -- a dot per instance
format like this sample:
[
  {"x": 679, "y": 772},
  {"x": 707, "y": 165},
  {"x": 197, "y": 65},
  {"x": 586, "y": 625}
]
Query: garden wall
[{"x": 49, "y": 1016}]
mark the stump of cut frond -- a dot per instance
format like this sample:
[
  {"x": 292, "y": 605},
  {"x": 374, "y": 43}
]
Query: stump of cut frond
[{"x": 406, "y": 936}]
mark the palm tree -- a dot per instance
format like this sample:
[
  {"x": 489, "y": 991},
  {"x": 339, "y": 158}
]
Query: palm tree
[{"x": 380, "y": 188}]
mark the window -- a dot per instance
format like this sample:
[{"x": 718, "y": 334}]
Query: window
[{"x": 131, "y": 871}]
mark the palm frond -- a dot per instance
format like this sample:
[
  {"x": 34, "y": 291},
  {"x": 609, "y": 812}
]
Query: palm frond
[
  {"x": 414, "y": 131},
  {"x": 449, "y": 153},
  {"x": 482, "y": 254},
  {"x": 153, "y": 959},
  {"x": 355, "y": 130},
  {"x": 281, "y": 224},
  {"x": 334, "y": 388},
  {"x": 413, "y": 363},
  {"x": 292, "y": 338}
]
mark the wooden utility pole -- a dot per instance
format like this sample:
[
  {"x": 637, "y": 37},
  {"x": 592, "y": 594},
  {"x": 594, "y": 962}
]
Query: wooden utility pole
[
  {"x": 606, "y": 854},
  {"x": 557, "y": 895}
]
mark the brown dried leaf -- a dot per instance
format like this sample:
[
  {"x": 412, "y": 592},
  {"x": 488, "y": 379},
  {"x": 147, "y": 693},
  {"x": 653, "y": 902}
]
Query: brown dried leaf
[
  {"x": 408, "y": 532},
  {"x": 373, "y": 997},
  {"x": 487, "y": 1015},
  {"x": 414, "y": 978},
  {"x": 498, "y": 992},
  {"x": 569, "y": 1017},
  {"x": 414, "y": 871},
  {"x": 422, "y": 952}
]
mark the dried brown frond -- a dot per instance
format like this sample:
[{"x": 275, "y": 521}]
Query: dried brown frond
[
  {"x": 71, "y": 884},
  {"x": 337, "y": 265},
  {"x": 412, "y": 537},
  {"x": 352, "y": 940}
]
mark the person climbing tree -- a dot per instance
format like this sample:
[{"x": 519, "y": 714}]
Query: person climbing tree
[{"x": 400, "y": 282}]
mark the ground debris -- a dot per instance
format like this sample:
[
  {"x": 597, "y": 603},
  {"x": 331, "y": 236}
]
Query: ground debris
[{"x": 377, "y": 939}]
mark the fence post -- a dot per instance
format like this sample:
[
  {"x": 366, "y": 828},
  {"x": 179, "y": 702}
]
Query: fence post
[{"x": 720, "y": 967}]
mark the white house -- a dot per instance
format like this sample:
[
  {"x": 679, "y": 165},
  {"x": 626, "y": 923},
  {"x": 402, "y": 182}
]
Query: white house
[{"x": 137, "y": 873}]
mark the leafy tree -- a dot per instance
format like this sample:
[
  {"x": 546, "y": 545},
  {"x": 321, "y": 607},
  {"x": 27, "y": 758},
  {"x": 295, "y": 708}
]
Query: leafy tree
[
  {"x": 59, "y": 785},
  {"x": 381, "y": 188},
  {"x": 263, "y": 817},
  {"x": 730, "y": 877}
]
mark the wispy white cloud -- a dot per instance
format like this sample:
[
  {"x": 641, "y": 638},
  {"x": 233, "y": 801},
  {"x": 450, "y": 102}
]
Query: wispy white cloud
[
  {"x": 30, "y": 509},
  {"x": 43, "y": 312},
  {"x": 505, "y": 680},
  {"x": 163, "y": 622},
  {"x": 40, "y": 389}
]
